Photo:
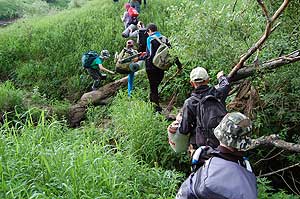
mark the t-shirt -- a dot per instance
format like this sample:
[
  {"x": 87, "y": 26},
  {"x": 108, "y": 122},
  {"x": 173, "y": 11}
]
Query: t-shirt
[{"x": 96, "y": 62}]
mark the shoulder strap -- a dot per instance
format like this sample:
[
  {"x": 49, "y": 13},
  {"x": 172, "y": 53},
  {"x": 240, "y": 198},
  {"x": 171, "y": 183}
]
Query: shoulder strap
[
  {"x": 241, "y": 162},
  {"x": 157, "y": 39}
]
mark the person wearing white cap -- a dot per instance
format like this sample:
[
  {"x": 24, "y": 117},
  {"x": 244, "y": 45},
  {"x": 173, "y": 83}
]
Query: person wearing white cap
[{"x": 200, "y": 113}]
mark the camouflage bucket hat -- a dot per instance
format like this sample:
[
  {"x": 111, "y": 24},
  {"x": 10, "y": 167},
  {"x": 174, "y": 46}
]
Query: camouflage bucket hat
[{"x": 234, "y": 131}]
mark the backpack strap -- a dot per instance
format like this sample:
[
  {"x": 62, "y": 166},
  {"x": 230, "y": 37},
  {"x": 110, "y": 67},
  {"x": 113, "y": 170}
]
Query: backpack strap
[
  {"x": 200, "y": 102},
  {"x": 157, "y": 39},
  {"x": 231, "y": 158}
]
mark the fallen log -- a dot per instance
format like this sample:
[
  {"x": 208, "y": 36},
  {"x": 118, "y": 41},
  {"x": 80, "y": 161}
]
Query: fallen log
[
  {"x": 77, "y": 111},
  {"x": 248, "y": 71}
]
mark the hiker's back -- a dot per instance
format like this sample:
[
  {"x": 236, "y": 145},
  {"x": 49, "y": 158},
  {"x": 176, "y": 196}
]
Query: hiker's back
[
  {"x": 220, "y": 179},
  {"x": 209, "y": 112},
  {"x": 142, "y": 39}
]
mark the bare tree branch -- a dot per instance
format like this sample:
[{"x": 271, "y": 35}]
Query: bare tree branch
[
  {"x": 293, "y": 179},
  {"x": 264, "y": 37},
  {"x": 264, "y": 159},
  {"x": 287, "y": 184},
  {"x": 265, "y": 11},
  {"x": 275, "y": 141},
  {"x": 274, "y": 172}
]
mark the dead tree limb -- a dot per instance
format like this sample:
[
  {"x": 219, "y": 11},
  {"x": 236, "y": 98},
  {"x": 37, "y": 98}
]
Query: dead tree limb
[
  {"x": 274, "y": 140},
  {"x": 283, "y": 169},
  {"x": 77, "y": 111},
  {"x": 261, "y": 41},
  {"x": 268, "y": 65}
]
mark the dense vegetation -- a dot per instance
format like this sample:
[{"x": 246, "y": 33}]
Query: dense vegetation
[{"x": 121, "y": 150}]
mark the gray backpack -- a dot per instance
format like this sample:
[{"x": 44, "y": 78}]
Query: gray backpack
[
  {"x": 219, "y": 179},
  {"x": 162, "y": 58}
]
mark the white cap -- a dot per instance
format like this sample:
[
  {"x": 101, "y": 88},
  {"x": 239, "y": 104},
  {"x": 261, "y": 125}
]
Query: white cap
[{"x": 199, "y": 74}]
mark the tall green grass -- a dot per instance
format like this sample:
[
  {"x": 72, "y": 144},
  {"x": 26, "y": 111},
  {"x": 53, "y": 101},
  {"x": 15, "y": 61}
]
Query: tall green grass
[
  {"x": 48, "y": 160},
  {"x": 141, "y": 132}
]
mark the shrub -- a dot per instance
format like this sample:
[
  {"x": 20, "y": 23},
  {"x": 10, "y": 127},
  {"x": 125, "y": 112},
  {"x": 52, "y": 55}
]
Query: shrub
[{"x": 10, "y": 97}]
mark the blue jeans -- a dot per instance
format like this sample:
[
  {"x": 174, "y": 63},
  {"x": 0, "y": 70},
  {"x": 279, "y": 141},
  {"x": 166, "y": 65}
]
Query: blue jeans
[{"x": 130, "y": 83}]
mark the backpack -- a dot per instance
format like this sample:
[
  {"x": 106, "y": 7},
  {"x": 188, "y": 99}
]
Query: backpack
[
  {"x": 210, "y": 112},
  {"x": 123, "y": 61},
  {"x": 162, "y": 58},
  {"x": 209, "y": 180},
  {"x": 133, "y": 20},
  {"x": 88, "y": 58},
  {"x": 142, "y": 40},
  {"x": 132, "y": 12}
]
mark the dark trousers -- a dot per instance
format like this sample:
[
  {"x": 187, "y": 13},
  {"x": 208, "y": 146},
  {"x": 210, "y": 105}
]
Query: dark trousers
[
  {"x": 155, "y": 77},
  {"x": 96, "y": 75},
  {"x": 140, "y": 1}
]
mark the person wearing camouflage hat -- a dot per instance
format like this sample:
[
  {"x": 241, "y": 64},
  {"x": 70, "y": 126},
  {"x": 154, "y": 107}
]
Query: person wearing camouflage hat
[
  {"x": 226, "y": 163},
  {"x": 233, "y": 131}
]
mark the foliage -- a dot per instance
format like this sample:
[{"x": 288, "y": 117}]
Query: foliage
[
  {"x": 280, "y": 92},
  {"x": 265, "y": 191},
  {"x": 49, "y": 160},
  {"x": 10, "y": 97},
  {"x": 17, "y": 8}
]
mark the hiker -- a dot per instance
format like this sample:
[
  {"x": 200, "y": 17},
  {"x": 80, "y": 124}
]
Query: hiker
[
  {"x": 140, "y": 1},
  {"x": 194, "y": 126},
  {"x": 94, "y": 69},
  {"x": 135, "y": 4},
  {"x": 142, "y": 36},
  {"x": 138, "y": 31},
  {"x": 126, "y": 18},
  {"x": 155, "y": 74},
  {"x": 223, "y": 172},
  {"x": 126, "y": 64}
]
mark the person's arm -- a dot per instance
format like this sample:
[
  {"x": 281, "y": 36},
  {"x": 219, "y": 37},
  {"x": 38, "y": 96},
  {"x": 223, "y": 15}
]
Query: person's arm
[
  {"x": 186, "y": 124},
  {"x": 102, "y": 68},
  {"x": 124, "y": 16},
  {"x": 223, "y": 86}
]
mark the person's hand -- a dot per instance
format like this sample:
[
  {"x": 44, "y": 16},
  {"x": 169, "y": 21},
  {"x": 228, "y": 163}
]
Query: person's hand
[
  {"x": 172, "y": 128},
  {"x": 179, "y": 117},
  {"x": 221, "y": 73},
  {"x": 136, "y": 59}
]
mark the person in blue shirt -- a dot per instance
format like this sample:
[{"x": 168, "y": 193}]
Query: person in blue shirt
[{"x": 96, "y": 67}]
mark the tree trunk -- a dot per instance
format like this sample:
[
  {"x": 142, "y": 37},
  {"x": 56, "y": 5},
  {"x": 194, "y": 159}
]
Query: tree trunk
[
  {"x": 77, "y": 111},
  {"x": 98, "y": 97},
  {"x": 268, "y": 65}
]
